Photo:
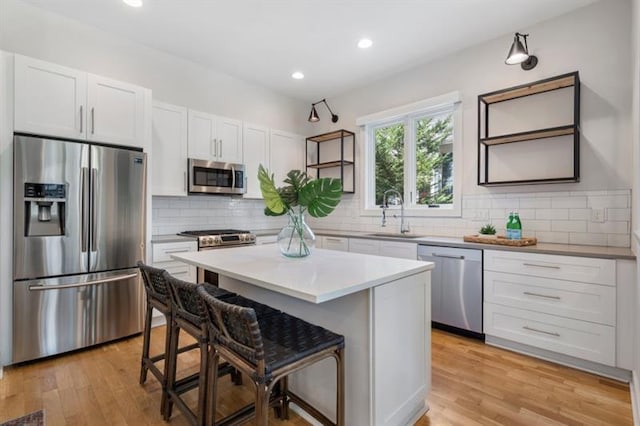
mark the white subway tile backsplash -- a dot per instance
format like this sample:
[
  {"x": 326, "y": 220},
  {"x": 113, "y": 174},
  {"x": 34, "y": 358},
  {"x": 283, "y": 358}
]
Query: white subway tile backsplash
[
  {"x": 553, "y": 214},
  {"x": 575, "y": 202},
  {"x": 609, "y": 201},
  {"x": 535, "y": 203},
  {"x": 552, "y": 237},
  {"x": 569, "y": 226},
  {"x": 552, "y": 217},
  {"x": 589, "y": 239}
]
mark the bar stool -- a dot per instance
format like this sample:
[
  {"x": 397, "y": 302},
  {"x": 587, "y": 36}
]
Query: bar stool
[
  {"x": 267, "y": 350},
  {"x": 186, "y": 316},
  {"x": 158, "y": 297}
]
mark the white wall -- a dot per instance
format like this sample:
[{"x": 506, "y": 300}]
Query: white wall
[
  {"x": 34, "y": 32},
  {"x": 635, "y": 131},
  {"x": 593, "y": 40}
]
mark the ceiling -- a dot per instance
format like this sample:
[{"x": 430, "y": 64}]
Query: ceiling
[{"x": 264, "y": 41}]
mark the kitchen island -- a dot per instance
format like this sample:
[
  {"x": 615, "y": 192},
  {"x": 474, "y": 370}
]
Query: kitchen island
[{"x": 381, "y": 305}]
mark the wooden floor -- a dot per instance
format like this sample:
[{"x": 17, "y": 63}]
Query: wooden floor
[{"x": 473, "y": 384}]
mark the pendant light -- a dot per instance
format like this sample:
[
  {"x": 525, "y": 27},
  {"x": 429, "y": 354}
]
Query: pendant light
[
  {"x": 519, "y": 54},
  {"x": 313, "y": 115}
]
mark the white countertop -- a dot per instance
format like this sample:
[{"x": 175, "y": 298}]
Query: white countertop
[{"x": 325, "y": 275}]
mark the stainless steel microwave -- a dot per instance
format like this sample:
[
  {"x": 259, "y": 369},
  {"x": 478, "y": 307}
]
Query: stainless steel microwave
[{"x": 215, "y": 177}]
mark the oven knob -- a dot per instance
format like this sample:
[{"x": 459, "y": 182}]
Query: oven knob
[
  {"x": 208, "y": 241},
  {"x": 217, "y": 240}
]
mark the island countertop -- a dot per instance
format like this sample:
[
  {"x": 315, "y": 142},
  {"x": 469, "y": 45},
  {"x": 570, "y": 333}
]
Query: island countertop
[{"x": 322, "y": 276}]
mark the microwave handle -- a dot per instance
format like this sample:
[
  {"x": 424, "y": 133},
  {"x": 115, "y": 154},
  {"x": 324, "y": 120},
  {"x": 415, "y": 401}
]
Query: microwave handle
[{"x": 233, "y": 179}]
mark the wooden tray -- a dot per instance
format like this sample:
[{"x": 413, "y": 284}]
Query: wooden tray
[{"x": 503, "y": 241}]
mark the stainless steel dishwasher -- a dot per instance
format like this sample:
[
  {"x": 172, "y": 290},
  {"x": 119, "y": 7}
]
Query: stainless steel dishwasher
[{"x": 456, "y": 288}]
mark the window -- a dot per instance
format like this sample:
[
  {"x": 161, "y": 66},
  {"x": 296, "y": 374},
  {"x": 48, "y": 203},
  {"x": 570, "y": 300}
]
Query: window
[{"x": 415, "y": 150}]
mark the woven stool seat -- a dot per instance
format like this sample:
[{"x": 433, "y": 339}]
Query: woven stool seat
[
  {"x": 188, "y": 309},
  {"x": 287, "y": 339}
]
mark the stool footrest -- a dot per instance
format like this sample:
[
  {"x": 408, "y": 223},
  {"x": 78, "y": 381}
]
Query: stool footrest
[
  {"x": 247, "y": 412},
  {"x": 309, "y": 408}
]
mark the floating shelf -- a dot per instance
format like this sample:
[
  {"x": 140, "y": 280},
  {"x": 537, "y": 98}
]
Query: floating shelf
[
  {"x": 530, "y": 135},
  {"x": 486, "y": 142},
  {"x": 547, "y": 85},
  {"x": 330, "y": 164},
  {"x": 337, "y": 160}
]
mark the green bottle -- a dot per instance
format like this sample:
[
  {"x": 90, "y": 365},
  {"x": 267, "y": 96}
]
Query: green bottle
[
  {"x": 516, "y": 232},
  {"x": 510, "y": 225}
]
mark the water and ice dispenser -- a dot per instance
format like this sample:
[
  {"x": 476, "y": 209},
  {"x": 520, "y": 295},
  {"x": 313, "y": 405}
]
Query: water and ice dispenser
[{"x": 44, "y": 209}]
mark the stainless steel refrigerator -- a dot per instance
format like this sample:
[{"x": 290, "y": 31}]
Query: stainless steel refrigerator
[{"x": 79, "y": 229}]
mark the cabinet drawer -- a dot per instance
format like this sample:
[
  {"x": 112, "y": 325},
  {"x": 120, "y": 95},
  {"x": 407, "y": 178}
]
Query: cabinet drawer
[
  {"x": 580, "y": 339},
  {"x": 399, "y": 250},
  {"x": 335, "y": 243},
  {"x": 583, "y": 269},
  {"x": 364, "y": 246},
  {"x": 162, "y": 252},
  {"x": 581, "y": 301}
]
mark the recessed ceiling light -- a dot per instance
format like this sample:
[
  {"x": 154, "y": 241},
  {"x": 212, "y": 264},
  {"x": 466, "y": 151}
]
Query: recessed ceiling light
[
  {"x": 133, "y": 3},
  {"x": 297, "y": 75},
  {"x": 365, "y": 43}
]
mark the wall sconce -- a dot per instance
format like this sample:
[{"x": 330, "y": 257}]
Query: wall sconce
[
  {"x": 313, "y": 116},
  {"x": 519, "y": 54}
]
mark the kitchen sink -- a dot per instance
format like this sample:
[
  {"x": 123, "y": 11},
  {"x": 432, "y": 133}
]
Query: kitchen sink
[{"x": 393, "y": 235}]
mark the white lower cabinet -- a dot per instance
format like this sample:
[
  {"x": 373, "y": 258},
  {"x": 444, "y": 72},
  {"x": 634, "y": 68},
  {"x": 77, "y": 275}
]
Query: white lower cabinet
[
  {"x": 333, "y": 243},
  {"x": 364, "y": 246},
  {"x": 562, "y": 304},
  {"x": 385, "y": 248},
  {"x": 162, "y": 259},
  {"x": 266, "y": 239}
]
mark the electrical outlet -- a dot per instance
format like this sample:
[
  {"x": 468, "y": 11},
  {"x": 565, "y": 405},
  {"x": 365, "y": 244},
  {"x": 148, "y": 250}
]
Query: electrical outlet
[{"x": 598, "y": 215}]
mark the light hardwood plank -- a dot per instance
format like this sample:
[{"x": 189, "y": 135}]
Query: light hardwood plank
[{"x": 473, "y": 384}]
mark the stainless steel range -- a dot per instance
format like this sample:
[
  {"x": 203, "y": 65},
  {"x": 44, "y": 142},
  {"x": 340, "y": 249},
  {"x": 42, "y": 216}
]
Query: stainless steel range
[{"x": 217, "y": 239}]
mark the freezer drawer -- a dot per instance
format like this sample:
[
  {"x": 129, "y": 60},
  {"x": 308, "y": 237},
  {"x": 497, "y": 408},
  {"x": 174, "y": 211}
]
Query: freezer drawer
[{"x": 57, "y": 315}]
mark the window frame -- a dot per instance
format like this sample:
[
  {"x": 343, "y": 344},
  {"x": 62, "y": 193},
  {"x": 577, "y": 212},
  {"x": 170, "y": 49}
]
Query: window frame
[{"x": 409, "y": 115}]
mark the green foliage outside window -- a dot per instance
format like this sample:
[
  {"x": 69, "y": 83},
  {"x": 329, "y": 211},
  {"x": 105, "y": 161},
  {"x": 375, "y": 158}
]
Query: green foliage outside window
[{"x": 434, "y": 162}]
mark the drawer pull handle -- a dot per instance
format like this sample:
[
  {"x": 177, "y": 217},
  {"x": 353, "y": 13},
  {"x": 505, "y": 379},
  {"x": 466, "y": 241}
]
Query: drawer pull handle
[
  {"x": 177, "y": 251},
  {"x": 337, "y": 240},
  {"x": 528, "y": 293},
  {"x": 541, "y": 331},
  {"x": 541, "y": 266}
]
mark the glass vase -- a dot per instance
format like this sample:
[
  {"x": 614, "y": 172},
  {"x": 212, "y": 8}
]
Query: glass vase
[{"x": 296, "y": 239}]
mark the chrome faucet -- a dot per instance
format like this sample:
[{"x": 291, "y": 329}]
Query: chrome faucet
[{"x": 404, "y": 227}]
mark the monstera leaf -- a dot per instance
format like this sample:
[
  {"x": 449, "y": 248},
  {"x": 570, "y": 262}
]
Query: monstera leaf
[
  {"x": 321, "y": 196},
  {"x": 275, "y": 205}
]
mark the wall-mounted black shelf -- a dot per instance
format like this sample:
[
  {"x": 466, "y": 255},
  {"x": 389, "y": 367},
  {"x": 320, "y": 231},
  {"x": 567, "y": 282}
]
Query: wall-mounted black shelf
[
  {"x": 345, "y": 164},
  {"x": 485, "y": 142}
]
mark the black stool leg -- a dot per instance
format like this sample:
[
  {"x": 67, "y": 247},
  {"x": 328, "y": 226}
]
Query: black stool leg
[
  {"x": 172, "y": 360},
  {"x": 145, "y": 344}
]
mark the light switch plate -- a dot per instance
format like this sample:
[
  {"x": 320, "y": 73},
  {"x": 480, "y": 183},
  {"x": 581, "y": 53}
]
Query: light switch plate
[{"x": 598, "y": 215}]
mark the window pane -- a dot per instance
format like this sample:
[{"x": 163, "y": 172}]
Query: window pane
[
  {"x": 389, "y": 159},
  {"x": 434, "y": 160}
]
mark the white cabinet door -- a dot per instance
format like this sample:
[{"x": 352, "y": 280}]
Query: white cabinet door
[
  {"x": 229, "y": 139},
  {"x": 255, "y": 152},
  {"x": 266, "y": 239},
  {"x": 202, "y": 136},
  {"x": 335, "y": 243},
  {"x": 364, "y": 246},
  {"x": 286, "y": 153},
  {"x": 400, "y": 250},
  {"x": 115, "y": 112},
  {"x": 169, "y": 152},
  {"x": 49, "y": 99}
]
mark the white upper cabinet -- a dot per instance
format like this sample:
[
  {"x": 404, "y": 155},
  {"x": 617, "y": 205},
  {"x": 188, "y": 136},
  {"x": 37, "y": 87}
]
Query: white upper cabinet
[
  {"x": 256, "y": 152},
  {"x": 49, "y": 99},
  {"x": 169, "y": 152},
  {"x": 286, "y": 153},
  {"x": 115, "y": 111},
  {"x": 52, "y": 100},
  {"x": 214, "y": 138}
]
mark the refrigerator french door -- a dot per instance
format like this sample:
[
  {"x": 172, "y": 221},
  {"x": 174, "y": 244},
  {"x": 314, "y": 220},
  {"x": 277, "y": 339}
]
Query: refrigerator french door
[{"x": 79, "y": 229}]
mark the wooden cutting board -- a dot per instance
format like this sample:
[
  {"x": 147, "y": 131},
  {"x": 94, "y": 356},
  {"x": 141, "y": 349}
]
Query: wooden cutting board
[{"x": 500, "y": 240}]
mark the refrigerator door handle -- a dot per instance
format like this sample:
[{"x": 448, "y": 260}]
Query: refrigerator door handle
[
  {"x": 94, "y": 214},
  {"x": 84, "y": 207},
  {"x": 82, "y": 284},
  {"x": 233, "y": 177}
]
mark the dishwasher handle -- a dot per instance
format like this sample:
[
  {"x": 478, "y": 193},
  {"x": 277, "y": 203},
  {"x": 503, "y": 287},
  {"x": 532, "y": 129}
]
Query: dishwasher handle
[{"x": 447, "y": 256}]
